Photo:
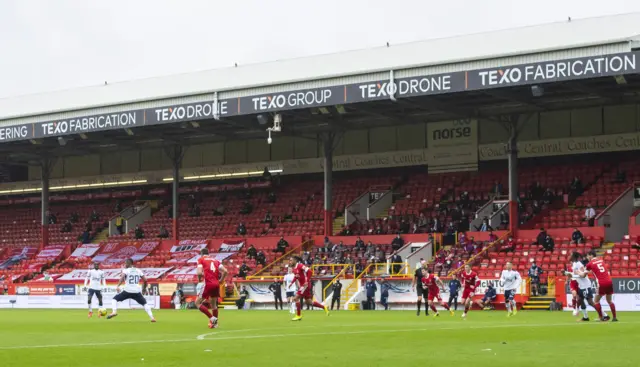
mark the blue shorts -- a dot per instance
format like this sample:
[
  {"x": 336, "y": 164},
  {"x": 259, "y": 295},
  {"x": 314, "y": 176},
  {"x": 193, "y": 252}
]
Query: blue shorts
[
  {"x": 586, "y": 294},
  {"x": 290, "y": 294},
  {"x": 509, "y": 294}
]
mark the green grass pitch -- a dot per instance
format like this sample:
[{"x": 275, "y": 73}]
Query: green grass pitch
[{"x": 269, "y": 338}]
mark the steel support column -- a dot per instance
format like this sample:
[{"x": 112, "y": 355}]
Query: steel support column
[
  {"x": 175, "y": 153},
  {"x": 329, "y": 141},
  {"x": 512, "y": 154},
  {"x": 46, "y": 165}
]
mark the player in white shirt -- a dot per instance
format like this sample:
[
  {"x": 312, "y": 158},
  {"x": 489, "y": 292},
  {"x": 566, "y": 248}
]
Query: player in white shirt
[
  {"x": 585, "y": 291},
  {"x": 511, "y": 281},
  {"x": 95, "y": 279},
  {"x": 131, "y": 278},
  {"x": 290, "y": 288}
]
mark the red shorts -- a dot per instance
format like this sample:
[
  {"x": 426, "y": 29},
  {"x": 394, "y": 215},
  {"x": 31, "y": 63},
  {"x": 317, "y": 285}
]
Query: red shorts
[
  {"x": 210, "y": 290},
  {"x": 466, "y": 293},
  {"x": 573, "y": 285},
  {"x": 434, "y": 294},
  {"x": 605, "y": 289},
  {"x": 304, "y": 294}
]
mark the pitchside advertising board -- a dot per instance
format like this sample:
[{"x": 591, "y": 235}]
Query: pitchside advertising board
[
  {"x": 460, "y": 81},
  {"x": 626, "y": 295}
]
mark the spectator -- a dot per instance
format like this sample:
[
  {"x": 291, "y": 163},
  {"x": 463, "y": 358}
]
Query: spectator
[
  {"x": 371, "y": 250},
  {"x": 576, "y": 187},
  {"x": 242, "y": 229},
  {"x": 120, "y": 224},
  {"x": 327, "y": 245},
  {"x": 244, "y": 270},
  {"x": 118, "y": 207},
  {"x": 276, "y": 289},
  {"x": 177, "y": 298},
  {"x": 548, "y": 244},
  {"x": 359, "y": 245},
  {"x": 497, "y": 189},
  {"x": 85, "y": 237},
  {"x": 371, "y": 294},
  {"x": 282, "y": 245},
  {"x": 542, "y": 236},
  {"x": 336, "y": 292},
  {"x": 261, "y": 259},
  {"x": 88, "y": 226},
  {"x": 454, "y": 288},
  {"x": 66, "y": 227},
  {"x": 244, "y": 294},
  {"x": 272, "y": 197},
  {"x": 548, "y": 196},
  {"x": 252, "y": 252},
  {"x": 492, "y": 237},
  {"x": 194, "y": 211},
  {"x": 509, "y": 246},
  {"x": 6, "y": 289},
  {"x": 577, "y": 237},
  {"x": 52, "y": 218},
  {"x": 435, "y": 226},
  {"x": 534, "y": 275},
  {"x": 384, "y": 294},
  {"x": 504, "y": 219},
  {"x": 219, "y": 210},
  {"x": 396, "y": 260},
  {"x": 485, "y": 226},
  {"x": 346, "y": 231},
  {"x": 489, "y": 297},
  {"x": 621, "y": 176},
  {"x": 267, "y": 218},
  {"x": 139, "y": 233},
  {"x": 590, "y": 215},
  {"x": 422, "y": 221},
  {"x": 247, "y": 208},
  {"x": 95, "y": 217},
  {"x": 397, "y": 243},
  {"x": 163, "y": 232},
  {"x": 74, "y": 217}
]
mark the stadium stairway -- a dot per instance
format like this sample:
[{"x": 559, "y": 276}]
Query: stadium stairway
[
  {"x": 606, "y": 246},
  {"x": 101, "y": 236},
  {"x": 338, "y": 224},
  {"x": 538, "y": 303}
]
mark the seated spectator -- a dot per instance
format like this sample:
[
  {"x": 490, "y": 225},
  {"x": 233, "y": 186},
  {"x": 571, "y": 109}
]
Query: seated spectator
[
  {"x": 371, "y": 250},
  {"x": 87, "y": 226},
  {"x": 94, "y": 216},
  {"x": 267, "y": 218},
  {"x": 52, "y": 218},
  {"x": 219, "y": 211},
  {"x": 85, "y": 237},
  {"x": 139, "y": 233},
  {"x": 242, "y": 229},
  {"x": 66, "y": 227},
  {"x": 359, "y": 245},
  {"x": 508, "y": 246},
  {"x": 576, "y": 188},
  {"x": 485, "y": 226},
  {"x": 435, "y": 226},
  {"x": 194, "y": 211},
  {"x": 163, "y": 232},
  {"x": 422, "y": 221},
  {"x": 272, "y": 197},
  {"x": 504, "y": 219},
  {"x": 244, "y": 270},
  {"x": 378, "y": 230},
  {"x": 542, "y": 236},
  {"x": 548, "y": 196},
  {"x": 247, "y": 208},
  {"x": 74, "y": 218},
  {"x": 577, "y": 237},
  {"x": 252, "y": 252},
  {"x": 346, "y": 231},
  {"x": 492, "y": 237},
  {"x": 397, "y": 243},
  {"x": 281, "y": 246},
  {"x": 261, "y": 258},
  {"x": 548, "y": 244},
  {"x": 590, "y": 215}
]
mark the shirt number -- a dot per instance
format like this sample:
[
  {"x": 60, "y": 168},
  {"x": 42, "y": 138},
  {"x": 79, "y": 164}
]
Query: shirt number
[
  {"x": 601, "y": 268},
  {"x": 134, "y": 279},
  {"x": 213, "y": 267}
]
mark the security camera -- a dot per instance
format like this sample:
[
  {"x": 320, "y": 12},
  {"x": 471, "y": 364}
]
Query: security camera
[
  {"x": 277, "y": 122},
  {"x": 269, "y": 140}
]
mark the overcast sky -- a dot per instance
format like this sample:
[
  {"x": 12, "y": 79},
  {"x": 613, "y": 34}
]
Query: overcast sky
[{"x": 51, "y": 45}]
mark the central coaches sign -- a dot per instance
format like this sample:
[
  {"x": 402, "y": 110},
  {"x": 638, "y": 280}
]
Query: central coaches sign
[{"x": 421, "y": 85}]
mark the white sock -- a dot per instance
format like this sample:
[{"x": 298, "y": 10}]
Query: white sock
[
  {"x": 514, "y": 306},
  {"x": 148, "y": 309},
  {"x": 508, "y": 305},
  {"x": 585, "y": 313},
  {"x": 114, "y": 306},
  {"x": 90, "y": 309},
  {"x": 213, "y": 319}
]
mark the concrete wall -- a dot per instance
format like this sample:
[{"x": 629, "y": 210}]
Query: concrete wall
[{"x": 545, "y": 125}]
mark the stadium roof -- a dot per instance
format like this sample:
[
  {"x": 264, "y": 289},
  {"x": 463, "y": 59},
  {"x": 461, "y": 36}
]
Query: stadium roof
[{"x": 620, "y": 31}]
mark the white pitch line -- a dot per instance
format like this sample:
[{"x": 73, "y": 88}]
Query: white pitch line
[{"x": 294, "y": 334}]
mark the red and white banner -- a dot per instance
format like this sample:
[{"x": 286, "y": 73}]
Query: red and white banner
[
  {"x": 46, "y": 278},
  {"x": 116, "y": 253},
  {"x": 50, "y": 253},
  {"x": 113, "y": 274},
  {"x": 187, "y": 250},
  {"x": 85, "y": 250},
  {"x": 231, "y": 246},
  {"x": 183, "y": 274},
  {"x": 221, "y": 256}
]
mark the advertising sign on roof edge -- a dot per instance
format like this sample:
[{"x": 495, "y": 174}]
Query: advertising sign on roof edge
[{"x": 459, "y": 81}]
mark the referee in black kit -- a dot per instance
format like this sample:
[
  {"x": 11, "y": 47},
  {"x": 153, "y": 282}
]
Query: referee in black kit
[{"x": 422, "y": 293}]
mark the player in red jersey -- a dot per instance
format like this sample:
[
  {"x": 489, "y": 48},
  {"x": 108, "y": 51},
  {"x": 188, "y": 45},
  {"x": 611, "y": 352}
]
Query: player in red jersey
[
  {"x": 469, "y": 281},
  {"x": 433, "y": 284},
  {"x": 303, "y": 281},
  {"x": 213, "y": 273},
  {"x": 605, "y": 285}
]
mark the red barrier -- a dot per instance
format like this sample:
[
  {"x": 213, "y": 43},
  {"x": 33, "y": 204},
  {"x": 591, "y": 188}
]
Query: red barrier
[{"x": 387, "y": 238}]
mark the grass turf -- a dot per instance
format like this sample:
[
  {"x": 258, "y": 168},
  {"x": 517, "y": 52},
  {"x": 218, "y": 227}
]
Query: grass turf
[{"x": 268, "y": 338}]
